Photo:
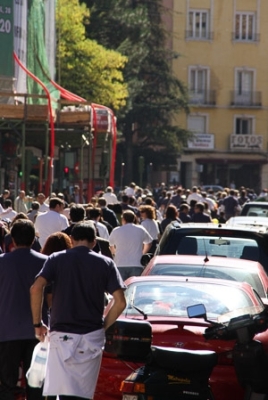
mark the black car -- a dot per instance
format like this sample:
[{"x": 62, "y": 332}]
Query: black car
[{"x": 210, "y": 239}]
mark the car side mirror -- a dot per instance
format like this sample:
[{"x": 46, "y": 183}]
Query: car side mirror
[
  {"x": 145, "y": 259},
  {"x": 197, "y": 311}
]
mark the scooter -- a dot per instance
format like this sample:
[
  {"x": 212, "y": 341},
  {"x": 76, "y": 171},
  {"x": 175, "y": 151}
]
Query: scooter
[
  {"x": 249, "y": 355},
  {"x": 175, "y": 374},
  {"x": 167, "y": 373},
  {"x": 172, "y": 374}
]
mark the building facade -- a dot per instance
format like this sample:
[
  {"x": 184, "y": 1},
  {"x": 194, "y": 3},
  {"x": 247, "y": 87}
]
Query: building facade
[{"x": 223, "y": 61}]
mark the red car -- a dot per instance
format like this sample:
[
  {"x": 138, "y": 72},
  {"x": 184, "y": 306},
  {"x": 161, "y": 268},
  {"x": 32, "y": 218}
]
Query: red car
[
  {"x": 240, "y": 270},
  {"x": 163, "y": 300}
]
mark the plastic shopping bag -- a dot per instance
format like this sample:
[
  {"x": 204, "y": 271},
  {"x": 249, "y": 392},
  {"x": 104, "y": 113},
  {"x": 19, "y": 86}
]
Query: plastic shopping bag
[{"x": 37, "y": 371}]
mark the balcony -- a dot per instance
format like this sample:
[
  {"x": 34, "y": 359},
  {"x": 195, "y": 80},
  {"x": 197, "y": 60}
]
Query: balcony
[
  {"x": 249, "y": 38},
  {"x": 190, "y": 35},
  {"x": 203, "y": 98},
  {"x": 246, "y": 99},
  {"x": 246, "y": 142}
]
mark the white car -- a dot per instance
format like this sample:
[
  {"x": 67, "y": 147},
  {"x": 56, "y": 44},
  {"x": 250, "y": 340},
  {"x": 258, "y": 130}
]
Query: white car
[{"x": 259, "y": 222}]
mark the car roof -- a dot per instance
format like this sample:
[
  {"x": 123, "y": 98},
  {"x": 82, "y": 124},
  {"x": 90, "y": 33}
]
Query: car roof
[
  {"x": 259, "y": 222},
  {"x": 211, "y": 261},
  {"x": 211, "y": 225}
]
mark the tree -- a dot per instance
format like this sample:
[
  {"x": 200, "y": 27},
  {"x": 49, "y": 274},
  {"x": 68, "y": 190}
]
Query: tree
[
  {"x": 135, "y": 29},
  {"x": 84, "y": 66}
]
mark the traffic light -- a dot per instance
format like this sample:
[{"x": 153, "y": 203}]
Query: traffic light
[{"x": 66, "y": 171}]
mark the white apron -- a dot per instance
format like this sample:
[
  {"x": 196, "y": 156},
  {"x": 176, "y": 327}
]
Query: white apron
[{"x": 73, "y": 364}]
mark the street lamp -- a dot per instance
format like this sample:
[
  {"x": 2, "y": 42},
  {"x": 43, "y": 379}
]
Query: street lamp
[
  {"x": 84, "y": 142},
  {"x": 122, "y": 174}
]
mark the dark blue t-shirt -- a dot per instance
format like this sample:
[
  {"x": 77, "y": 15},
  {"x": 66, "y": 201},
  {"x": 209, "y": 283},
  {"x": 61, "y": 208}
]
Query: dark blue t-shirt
[
  {"x": 79, "y": 278},
  {"x": 18, "y": 270}
]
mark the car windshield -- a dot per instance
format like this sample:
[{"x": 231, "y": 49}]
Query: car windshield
[
  {"x": 215, "y": 272},
  {"x": 172, "y": 298},
  {"x": 232, "y": 247}
]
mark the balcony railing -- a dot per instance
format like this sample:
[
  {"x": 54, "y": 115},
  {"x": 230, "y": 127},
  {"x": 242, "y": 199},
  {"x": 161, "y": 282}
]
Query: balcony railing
[
  {"x": 246, "y": 99},
  {"x": 246, "y": 142},
  {"x": 196, "y": 36},
  {"x": 254, "y": 37},
  {"x": 202, "y": 98}
]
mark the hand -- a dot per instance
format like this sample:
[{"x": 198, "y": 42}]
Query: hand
[{"x": 40, "y": 333}]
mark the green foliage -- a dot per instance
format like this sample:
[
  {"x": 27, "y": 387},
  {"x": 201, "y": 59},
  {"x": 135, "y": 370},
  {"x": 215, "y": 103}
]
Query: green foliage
[
  {"x": 84, "y": 66},
  {"x": 135, "y": 29}
]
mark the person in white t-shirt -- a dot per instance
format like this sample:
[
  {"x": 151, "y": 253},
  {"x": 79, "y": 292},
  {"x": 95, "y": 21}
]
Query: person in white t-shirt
[
  {"x": 8, "y": 212},
  {"x": 130, "y": 190},
  {"x": 51, "y": 221},
  {"x": 95, "y": 214},
  {"x": 194, "y": 195},
  {"x": 148, "y": 221},
  {"x": 110, "y": 196},
  {"x": 41, "y": 198},
  {"x": 128, "y": 243}
]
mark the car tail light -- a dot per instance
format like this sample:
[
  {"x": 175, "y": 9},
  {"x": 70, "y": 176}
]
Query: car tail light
[
  {"x": 132, "y": 387},
  {"x": 225, "y": 358}
]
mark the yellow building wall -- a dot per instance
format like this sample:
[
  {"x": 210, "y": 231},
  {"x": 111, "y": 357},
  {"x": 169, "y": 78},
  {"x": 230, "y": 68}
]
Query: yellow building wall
[{"x": 222, "y": 55}]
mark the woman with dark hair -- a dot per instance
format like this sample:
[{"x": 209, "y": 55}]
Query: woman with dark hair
[
  {"x": 171, "y": 214},
  {"x": 57, "y": 241}
]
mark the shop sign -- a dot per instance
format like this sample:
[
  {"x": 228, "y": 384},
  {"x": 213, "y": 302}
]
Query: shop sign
[
  {"x": 6, "y": 38},
  {"x": 202, "y": 141},
  {"x": 246, "y": 142},
  {"x": 103, "y": 120}
]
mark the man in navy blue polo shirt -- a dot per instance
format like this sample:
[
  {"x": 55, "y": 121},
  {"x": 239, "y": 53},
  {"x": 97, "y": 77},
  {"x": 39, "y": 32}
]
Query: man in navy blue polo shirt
[
  {"x": 18, "y": 270},
  {"x": 80, "y": 278}
]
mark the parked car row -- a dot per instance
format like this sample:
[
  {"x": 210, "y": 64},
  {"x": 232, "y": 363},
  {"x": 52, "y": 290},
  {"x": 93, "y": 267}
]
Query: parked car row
[
  {"x": 222, "y": 266},
  {"x": 163, "y": 301}
]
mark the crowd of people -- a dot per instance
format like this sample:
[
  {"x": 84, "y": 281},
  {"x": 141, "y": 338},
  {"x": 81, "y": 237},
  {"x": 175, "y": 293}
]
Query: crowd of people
[{"x": 61, "y": 257}]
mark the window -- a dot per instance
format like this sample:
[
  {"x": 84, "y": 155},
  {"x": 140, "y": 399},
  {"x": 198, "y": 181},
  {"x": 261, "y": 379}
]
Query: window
[
  {"x": 197, "y": 124},
  {"x": 244, "y": 82},
  {"x": 244, "y": 126},
  {"x": 244, "y": 94},
  {"x": 198, "y": 84},
  {"x": 245, "y": 26},
  {"x": 198, "y": 24}
]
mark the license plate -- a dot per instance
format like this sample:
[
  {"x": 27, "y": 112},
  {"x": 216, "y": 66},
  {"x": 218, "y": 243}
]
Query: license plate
[{"x": 129, "y": 397}]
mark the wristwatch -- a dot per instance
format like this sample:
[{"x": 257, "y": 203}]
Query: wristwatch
[{"x": 38, "y": 325}]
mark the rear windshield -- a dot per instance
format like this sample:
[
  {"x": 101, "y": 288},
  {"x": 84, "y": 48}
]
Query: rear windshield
[
  {"x": 215, "y": 272},
  {"x": 255, "y": 211},
  {"x": 173, "y": 298},
  {"x": 246, "y": 244},
  {"x": 220, "y": 247}
]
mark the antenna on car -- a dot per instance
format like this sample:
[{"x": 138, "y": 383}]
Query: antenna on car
[{"x": 206, "y": 259}]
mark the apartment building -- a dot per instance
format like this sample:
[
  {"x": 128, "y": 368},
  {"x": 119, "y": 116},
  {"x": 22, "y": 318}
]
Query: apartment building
[{"x": 223, "y": 47}]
